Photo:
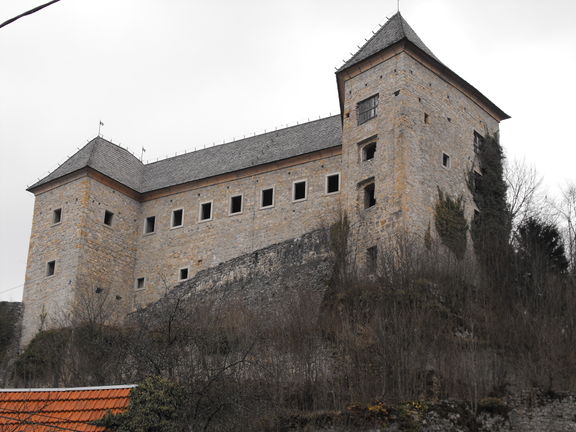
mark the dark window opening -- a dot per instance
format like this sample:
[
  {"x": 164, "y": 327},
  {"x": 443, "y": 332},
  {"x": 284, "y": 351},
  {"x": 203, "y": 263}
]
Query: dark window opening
[
  {"x": 150, "y": 224},
  {"x": 372, "y": 259},
  {"x": 367, "y": 109},
  {"x": 183, "y": 274},
  {"x": 368, "y": 151},
  {"x": 50, "y": 268},
  {"x": 206, "y": 211},
  {"x": 299, "y": 190},
  {"x": 369, "y": 196},
  {"x": 177, "y": 218},
  {"x": 445, "y": 160},
  {"x": 236, "y": 204},
  {"x": 108, "y": 216},
  {"x": 426, "y": 118},
  {"x": 478, "y": 142},
  {"x": 57, "y": 216},
  {"x": 140, "y": 283},
  {"x": 267, "y": 197},
  {"x": 98, "y": 290},
  {"x": 333, "y": 183}
]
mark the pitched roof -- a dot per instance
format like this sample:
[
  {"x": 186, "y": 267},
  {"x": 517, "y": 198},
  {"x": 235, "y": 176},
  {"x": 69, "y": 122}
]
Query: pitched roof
[
  {"x": 49, "y": 410},
  {"x": 395, "y": 30},
  {"x": 120, "y": 165}
]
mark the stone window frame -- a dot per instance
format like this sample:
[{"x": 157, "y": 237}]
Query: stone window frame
[
  {"x": 241, "y": 205},
  {"x": 104, "y": 219},
  {"x": 146, "y": 233},
  {"x": 273, "y": 188},
  {"x": 50, "y": 268},
  {"x": 137, "y": 286},
  {"x": 180, "y": 279},
  {"x": 339, "y": 183},
  {"x": 305, "y": 181},
  {"x": 172, "y": 226},
  {"x": 200, "y": 206},
  {"x": 362, "y": 192},
  {"x": 57, "y": 211},
  {"x": 362, "y": 146},
  {"x": 449, "y": 160}
]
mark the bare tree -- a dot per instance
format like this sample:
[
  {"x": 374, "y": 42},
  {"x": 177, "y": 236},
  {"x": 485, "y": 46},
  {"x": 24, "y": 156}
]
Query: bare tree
[
  {"x": 566, "y": 208},
  {"x": 524, "y": 191}
]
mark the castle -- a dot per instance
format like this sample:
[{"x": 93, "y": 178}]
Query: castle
[{"x": 408, "y": 125}]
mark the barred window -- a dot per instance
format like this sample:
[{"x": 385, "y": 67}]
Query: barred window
[{"x": 367, "y": 109}]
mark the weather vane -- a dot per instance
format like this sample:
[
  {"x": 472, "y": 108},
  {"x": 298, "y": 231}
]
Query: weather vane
[{"x": 100, "y": 126}]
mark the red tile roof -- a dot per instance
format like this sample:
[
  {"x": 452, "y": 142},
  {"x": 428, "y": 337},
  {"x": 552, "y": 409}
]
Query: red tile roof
[{"x": 50, "y": 410}]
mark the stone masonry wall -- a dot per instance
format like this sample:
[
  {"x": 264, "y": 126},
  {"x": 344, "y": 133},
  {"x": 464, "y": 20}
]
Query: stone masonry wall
[
  {"x": 51, "y": 296},
  {"x": 108, "y": 253},
  {"x": 388, "y": 167},
  {"x": 198, "y": 245},
  {"x": 451, "y": 119}
]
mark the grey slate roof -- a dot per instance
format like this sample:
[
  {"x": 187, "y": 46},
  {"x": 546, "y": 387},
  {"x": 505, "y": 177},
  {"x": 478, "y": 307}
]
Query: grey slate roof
[
  {"x": 120, "y": 165},
  {"x": 395, "y": 30}
]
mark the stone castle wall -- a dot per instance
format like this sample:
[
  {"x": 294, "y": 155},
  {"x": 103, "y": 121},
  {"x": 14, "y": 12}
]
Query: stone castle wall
[
  {"x": 198, "y": 245},
  {"x": 49, "y": 296}
]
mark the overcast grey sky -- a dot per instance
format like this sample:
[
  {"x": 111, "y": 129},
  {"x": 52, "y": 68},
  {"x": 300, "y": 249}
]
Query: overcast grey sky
[{"x": 181, "y": 74}]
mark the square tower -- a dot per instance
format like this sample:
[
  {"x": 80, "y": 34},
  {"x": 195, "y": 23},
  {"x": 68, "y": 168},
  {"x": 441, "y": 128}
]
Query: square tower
[{"x": 409, "y": 128}]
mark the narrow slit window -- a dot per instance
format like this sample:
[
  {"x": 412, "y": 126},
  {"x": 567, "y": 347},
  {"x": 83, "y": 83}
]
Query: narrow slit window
[
  {"x": 149, "y": 224},
  {"x": 177, "y": 218},
  {"x": 206, "y": 211},
  {"x": 57, "y": 216},
  {"x": 108, "y": 216},
  {"x": 299, "y": 191},
  {"x": 426, "y": 118},
  {"x": 183, "y": 274},
  {"x": 333, "y": 183},
  {"x": 478, "y": 142},
  {"x": 267, "y": 197},
  {"x": 445, "y": 160},
  {"x": 369, "y": 151},
  {"x": 140, "y": 283},
  {"x": 369, "y": 196},
  {"x": 236, "y": 204},
  {"x": 50, "y": 268},
  {"x": 372, "y": 259}
]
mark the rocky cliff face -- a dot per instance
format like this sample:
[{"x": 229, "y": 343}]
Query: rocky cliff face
[{"x": 262, "y": 278}]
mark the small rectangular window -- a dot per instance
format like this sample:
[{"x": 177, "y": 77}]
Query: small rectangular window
[
  {"x": 177, "y": 218},
  {"x": 445, "y": 160},
  {"x": 140, "y": 283},
  {"x": 267, "y": 198},
  {"x": 332, "y": 183},
  {"x": 183, "y": 274},
  {"x": 372, "y": 259},
  {"x": 369, "y": 196},
  {"x": 108, "y": 216},
  {"x": 236, "y": 204},
  {"x": 149, "y": 224},
  {"x": 426, "y": 117},
  {"x": 368, "y": 151},
  {"x": 367, "y": 109},
  {"x": 478, "y": 142},
  {"x": 299, "y": 190},
  {"x": 57, "y": 216},
  {"x": 50, "y": 268},
  {"x": 206, "y": 211}
]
